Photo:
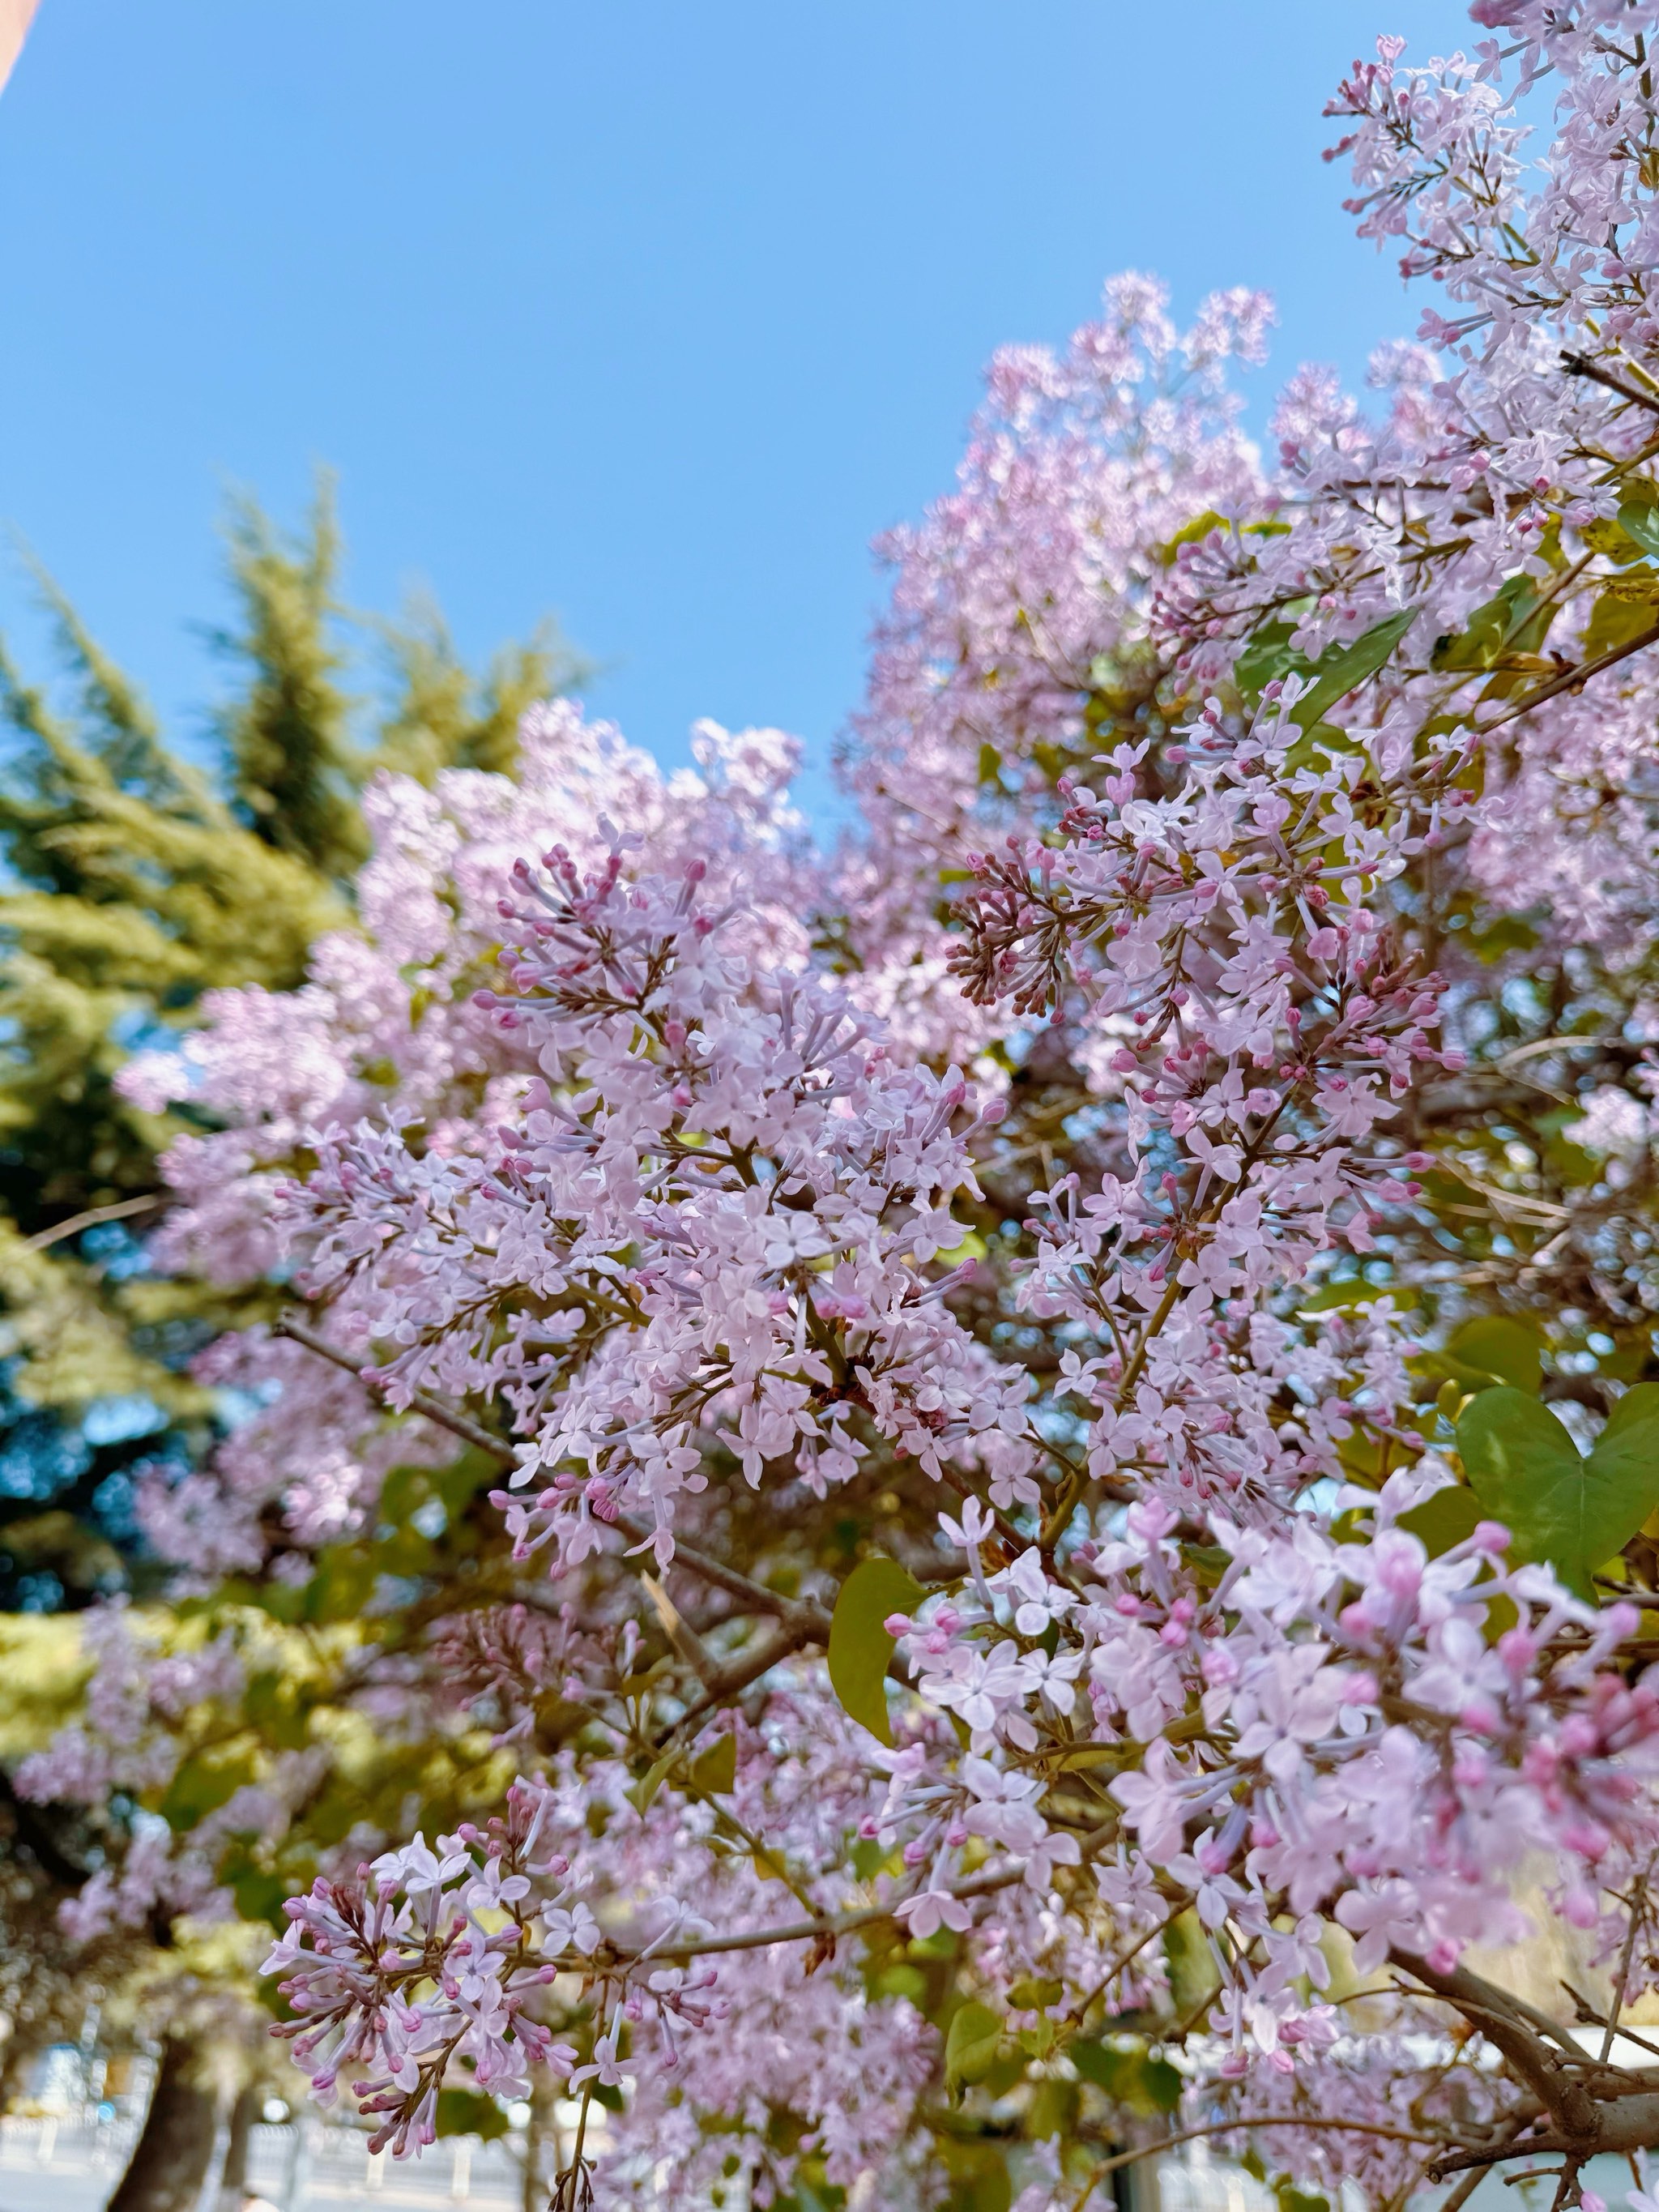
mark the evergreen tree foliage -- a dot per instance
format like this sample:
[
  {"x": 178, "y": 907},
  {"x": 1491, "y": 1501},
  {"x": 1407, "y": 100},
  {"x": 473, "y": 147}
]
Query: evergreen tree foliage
[{"x": 132, "y": 881}]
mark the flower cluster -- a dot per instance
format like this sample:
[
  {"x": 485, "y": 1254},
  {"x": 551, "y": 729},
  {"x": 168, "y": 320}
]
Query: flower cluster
[{"x": 1033, "y": 1436}]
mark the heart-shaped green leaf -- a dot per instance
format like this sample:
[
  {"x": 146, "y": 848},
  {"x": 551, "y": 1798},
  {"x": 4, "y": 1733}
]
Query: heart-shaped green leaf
[
  {"x": 1445, "y": 1517},
  {"x": 1639, "y": 1403},
  {"x": 1574, "y": 1512},
  {"x": 860, "y": 1646}
]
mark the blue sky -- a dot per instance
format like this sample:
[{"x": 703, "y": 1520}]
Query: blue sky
[{"x": 644, "y": 313}]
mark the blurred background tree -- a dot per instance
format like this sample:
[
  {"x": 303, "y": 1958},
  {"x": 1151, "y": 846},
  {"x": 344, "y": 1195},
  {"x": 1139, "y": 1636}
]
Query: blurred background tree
[{"x": 133, "y": 881}]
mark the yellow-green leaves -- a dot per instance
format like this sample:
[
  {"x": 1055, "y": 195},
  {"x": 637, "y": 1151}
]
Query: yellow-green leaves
[
  {"x": 710, "y": 1774},
  {"x": 1194, "y": 1978},
  {"x": 1575, "y": 1512},
  {"x": 860, "y": 1646},
  {"x": 970, "y": 2047},
  {"x": 714, "y": 1769},
  {"x": 1624, "y": 609}
]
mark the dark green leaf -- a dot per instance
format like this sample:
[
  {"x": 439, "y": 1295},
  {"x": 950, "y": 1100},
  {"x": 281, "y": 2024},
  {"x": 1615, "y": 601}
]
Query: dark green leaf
[
  {"x": 1108, "y": 2067},
  {"x": 1266, "y": 655},
  {"x": 1161, "y": 2084},
  {"x": 1576, "y": 1513},
  {"x": 467, "y": 2113},
  {"x": 1513, "y": 621}
]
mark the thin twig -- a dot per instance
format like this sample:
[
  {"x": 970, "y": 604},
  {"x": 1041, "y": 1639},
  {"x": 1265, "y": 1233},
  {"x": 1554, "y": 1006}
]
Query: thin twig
[
  {"x": 1259, "y": 2120},
  {"x": 76, "y": 1222},
  {"x": 806, "y": 1621},
  {"x": 1568, "y": 680}
]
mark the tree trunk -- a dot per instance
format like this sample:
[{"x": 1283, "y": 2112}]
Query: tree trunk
[
  {"x": 174, "y": 2148},
  {"x": 233, "y": 2181}
]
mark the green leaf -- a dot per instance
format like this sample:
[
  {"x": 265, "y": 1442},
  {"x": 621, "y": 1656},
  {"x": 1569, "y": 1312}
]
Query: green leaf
[
  {"x": 1506, "y": 1350},
  {"x": 1611, "y": 540},
  {"x": 1194, "y": 1975},
  {"x": 641, "y": 1794},
  {"x": 1107, "y": 2066},
  {"x": 1162, "y": 2083},
  {"x": 1513, "y": 621},
  {"x": 1448, "y": 1517},
  {"x": 1640, "y": 520},
  {"x": 468, "y": 2112},
  {"x": 1639, "y": 1403},
  {"x": 860, "y": 1646},
  {"x": 1340, "y": 668},
  {"x": 1483, "y": 1352},
  {"x": 1576, "y": 1513},
  {"x": 714, "y": 1769},
  {"x": 261, "y": 1897},
  {"x": 1052, "y": 2111},
  {"x": 1623, "y": 609},
  {"x": 1127, "y": 2075},
  {"x": 1190, "y": 533},
  {"x": 1350, "y": 1291},
  {"x": 978, "y": 2174},
  {"x": 1292, "y": 2199},
  {"x": 990, "y": 765},
  {"x": 1627, "y": 1459},
  {"x": 970, "y": 2048},
  {"x": 201, "y": 1786},
  {"x": 1265, "y": 654}
]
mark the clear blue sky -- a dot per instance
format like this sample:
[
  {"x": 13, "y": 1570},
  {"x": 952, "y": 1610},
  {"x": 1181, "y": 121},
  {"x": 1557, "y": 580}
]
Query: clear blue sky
[{"x": 644, "y": 312}]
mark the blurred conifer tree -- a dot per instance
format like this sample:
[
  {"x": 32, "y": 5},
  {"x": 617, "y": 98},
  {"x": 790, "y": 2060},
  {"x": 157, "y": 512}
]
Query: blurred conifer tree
[{"x": 131, "y": 882}]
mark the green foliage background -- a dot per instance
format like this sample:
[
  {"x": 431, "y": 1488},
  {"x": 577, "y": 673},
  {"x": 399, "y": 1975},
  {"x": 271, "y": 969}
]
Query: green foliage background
[{"x": 130, "y": 883}]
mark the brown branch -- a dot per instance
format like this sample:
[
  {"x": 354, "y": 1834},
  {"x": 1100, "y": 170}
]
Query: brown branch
[
  {"x": 421, "y": 1402},
  {"x": 1500, "y": 2018},
  {"x": 1568, "y": 680},
  {"x": 1578, "y": 364}
]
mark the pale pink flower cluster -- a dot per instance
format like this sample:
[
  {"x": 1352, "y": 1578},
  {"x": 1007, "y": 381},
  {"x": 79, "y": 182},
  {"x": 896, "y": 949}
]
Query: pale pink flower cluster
[{"x": 631, "y": 1130}]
